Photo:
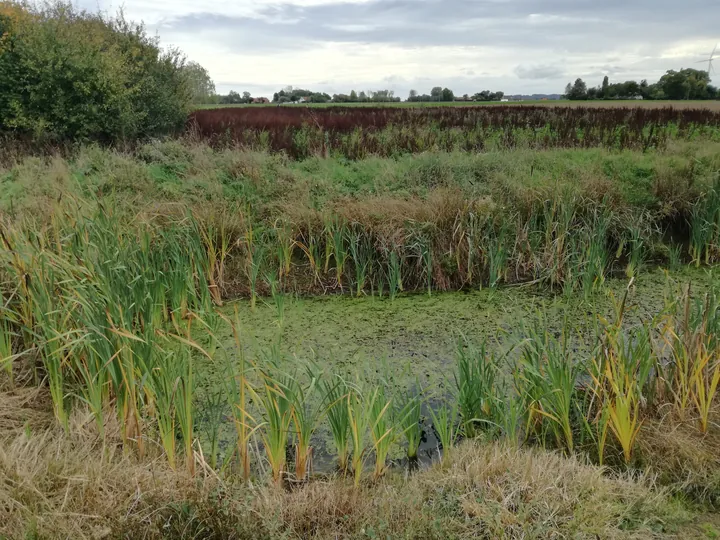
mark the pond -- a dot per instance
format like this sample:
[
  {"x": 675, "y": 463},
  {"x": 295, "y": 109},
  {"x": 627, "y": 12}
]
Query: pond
[{"x": 409, "y": 344}]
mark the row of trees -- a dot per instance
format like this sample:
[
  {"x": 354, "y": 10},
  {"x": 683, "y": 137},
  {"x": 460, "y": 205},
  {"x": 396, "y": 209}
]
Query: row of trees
[
  {"x": 436, "y": 94},
  {"x": 372, "y": 96},
  {"x": 294, "y": 95},
  {"x": 68, "y": 74},
  {"x": 676, "y": 85},
  {"x": 445, "y": 94}
]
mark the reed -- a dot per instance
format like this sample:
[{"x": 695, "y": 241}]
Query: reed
[
  {"x": 476, "y": 389},
  {"x": 277, "y": 414},
  {"x": 306, "y": 415},
  {"x": 444, "y": 421},
  {"x": 336, "y": 394},
  {"x": 549, "y": 379},
  {"x": 408, "y": 415},
  {"x": 360, "y": 421},
  {"x": 382, "y": 428}
]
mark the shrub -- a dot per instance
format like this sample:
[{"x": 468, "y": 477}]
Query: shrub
[{"x": 73, "y": 75}]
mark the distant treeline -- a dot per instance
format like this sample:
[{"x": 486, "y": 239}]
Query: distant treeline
[
  {"x": 292, "y": 95},
  {"x": 676, "y": 85}
]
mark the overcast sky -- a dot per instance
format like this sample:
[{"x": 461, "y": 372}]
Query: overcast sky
[{"x": 518, "y": 46}]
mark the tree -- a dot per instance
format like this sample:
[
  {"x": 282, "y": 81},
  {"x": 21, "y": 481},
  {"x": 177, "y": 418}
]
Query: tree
[
  {"x": 202, "y": 87},
  {"x": 436, "y": 93},
  {"x": 353, "y": 96},
  {"x": 685, "y": 84},
  {"x": 68, "y": 74},
  {"x": 413, "y": 95},
  {"x": 577, "y": 90},
  {"x": 363, "y": 96},
  {"x": 487, "y": 95},
  {"x": 447, "y": 95},
  {"x": 605, "y": 85},
  {"x": 247, "y": 98},
  {"x": 233, "y": 98}
]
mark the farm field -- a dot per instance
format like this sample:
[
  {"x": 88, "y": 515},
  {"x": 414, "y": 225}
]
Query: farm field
[
  {"x": 362, "y": 322},
  {"x": 651, "y": 104},
  {"x": 355, "y": 133}
]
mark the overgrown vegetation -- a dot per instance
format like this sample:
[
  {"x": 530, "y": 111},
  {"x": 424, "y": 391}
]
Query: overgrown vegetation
[
  {"x": 132, "y": 405},
  {"x": 70, "y": 75},
  {"x": 356, "y": 133},
  {"x": 115, "y": 318}
]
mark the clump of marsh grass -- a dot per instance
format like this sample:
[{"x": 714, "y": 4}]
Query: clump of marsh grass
[
  {"x": 336, "y": 396},
  {"x": 274, "y": 399},
  {"x": 444, "y": 421},
  {"x": 408, "y": 413},
  {"x": 548, "y": 380},
  {"x": 476, "y": 387},
  {"x": 382, "y": 428}
]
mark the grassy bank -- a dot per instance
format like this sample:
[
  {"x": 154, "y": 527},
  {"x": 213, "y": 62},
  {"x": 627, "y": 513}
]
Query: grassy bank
[
  {"x": 116, "y": 272},
  {"x": 438, "y": 221}
]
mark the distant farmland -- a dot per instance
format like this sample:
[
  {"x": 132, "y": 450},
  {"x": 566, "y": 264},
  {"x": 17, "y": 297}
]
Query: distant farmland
[
  {"x": 356, "y": 132},
  {"x": 649, "y": 104}
]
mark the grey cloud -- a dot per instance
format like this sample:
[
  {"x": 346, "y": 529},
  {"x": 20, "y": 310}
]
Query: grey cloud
[
  {"x": 566, "y": 32},
  {"x": 539, "y": 72},
  {"x": 571, "y": 25}
]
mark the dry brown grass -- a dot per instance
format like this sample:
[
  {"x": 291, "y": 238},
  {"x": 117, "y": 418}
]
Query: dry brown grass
[
  {"x": 683, "y": 458},
  {"x": 68, "y": 485}
]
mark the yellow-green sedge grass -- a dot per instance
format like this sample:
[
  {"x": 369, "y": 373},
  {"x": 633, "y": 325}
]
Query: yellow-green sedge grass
[
  {"x": 359, "y": 422},
  {"x": 277, "y": 418},
  {"x": 408, "y": 417},
  {"x": 476, "y": 389},
  {"x": 7, "y": 356},
  {"x": 382, "y": 428},
  {"x": 306, "y": 416},
  {"x": 335, "y": 403},
  {"x": 285, "y": 239},
  {"x": 277, "y": 295},
  {"x": 394, "y": 273},
  {"x": 236, "y": 388},
  {"x": 361, "y": 254},
  {"x": 335, "y": 231},
  {"x": 550, "y": 375},
  {"x": 704, "y": 380},
  {"x": 624, "y": 412},
  {"x": 446, "y": 428},
  {"x": 254, "y": 255},
  {"x": 217, "y": 243}
]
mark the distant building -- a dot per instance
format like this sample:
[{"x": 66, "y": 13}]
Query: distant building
[
  {"x": 261, "y": 100},
  {"x": 504, "y": 99}
]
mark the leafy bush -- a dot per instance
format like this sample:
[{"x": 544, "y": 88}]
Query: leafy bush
[{"x": 73, "y": 75}]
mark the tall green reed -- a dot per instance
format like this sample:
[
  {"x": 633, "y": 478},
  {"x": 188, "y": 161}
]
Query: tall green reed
[
  {"x": 475, "y": 384},
  {"x": 336, "y": 394}
]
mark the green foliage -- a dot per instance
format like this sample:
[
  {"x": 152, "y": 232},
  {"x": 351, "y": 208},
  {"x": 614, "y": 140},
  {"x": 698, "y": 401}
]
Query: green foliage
[
  {"x": 70, "y": 75},
  {"x": 200, "y": 83},
  {"x": 676, "y": 85}
]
